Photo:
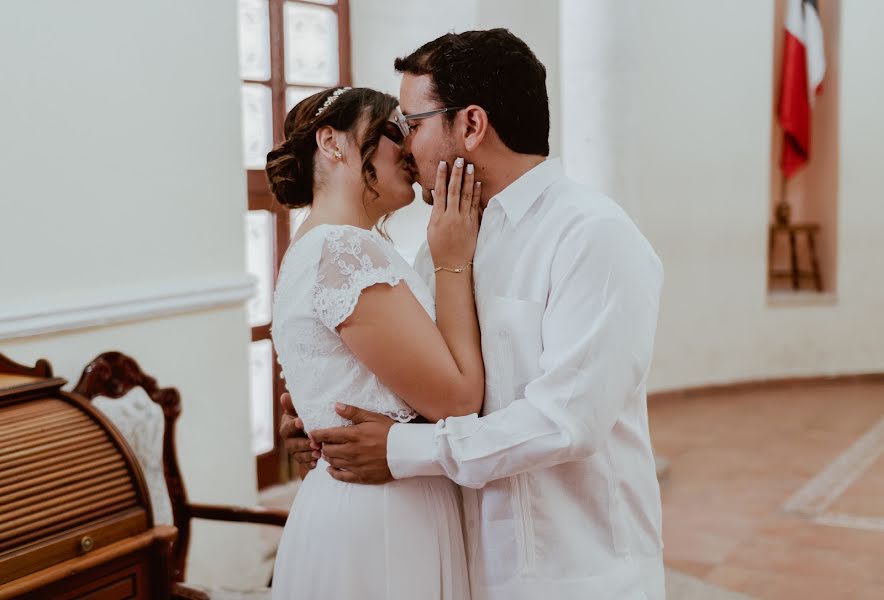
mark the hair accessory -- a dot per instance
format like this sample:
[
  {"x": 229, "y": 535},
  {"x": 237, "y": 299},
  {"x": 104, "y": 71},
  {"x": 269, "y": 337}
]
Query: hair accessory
[{"x": 330, "y": 100}]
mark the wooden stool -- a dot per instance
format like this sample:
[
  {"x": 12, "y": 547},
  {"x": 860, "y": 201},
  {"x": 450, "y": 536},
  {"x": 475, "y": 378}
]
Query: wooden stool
[{"x": 794, "y": 273}]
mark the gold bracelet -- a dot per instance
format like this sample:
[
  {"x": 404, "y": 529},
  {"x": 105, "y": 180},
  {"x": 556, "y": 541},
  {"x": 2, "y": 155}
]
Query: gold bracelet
[{"x": 460, "y": 270}]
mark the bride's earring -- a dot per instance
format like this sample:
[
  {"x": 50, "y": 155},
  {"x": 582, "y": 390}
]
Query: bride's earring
[{"x": 338, "y": 155}]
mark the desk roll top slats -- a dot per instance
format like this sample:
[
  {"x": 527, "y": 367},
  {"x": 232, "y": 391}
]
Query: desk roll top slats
[{"x": 75, "y": 514}]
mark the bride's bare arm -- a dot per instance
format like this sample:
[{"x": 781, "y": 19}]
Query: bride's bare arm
[{"x": 436, "y": 368}]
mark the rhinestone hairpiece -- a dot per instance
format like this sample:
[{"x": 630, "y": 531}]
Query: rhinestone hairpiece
[{"x": 330, "y": 100}]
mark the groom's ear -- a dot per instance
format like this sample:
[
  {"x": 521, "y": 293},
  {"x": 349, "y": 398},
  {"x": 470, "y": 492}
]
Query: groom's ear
[{"x": 476, "y": 127}]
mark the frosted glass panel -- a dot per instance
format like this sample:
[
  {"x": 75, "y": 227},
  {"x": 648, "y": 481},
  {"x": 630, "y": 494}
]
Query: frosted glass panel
[
  {"x": 293, "y": 95},
  {"x": 254, "y": 39},
  {"x": 297, "y": 216},
  {"x": 311, "y": 45},
  {"x": 259, "y": 259},
  {"x": 257, "y": 125},
  {"x": 261, "y": 395}
]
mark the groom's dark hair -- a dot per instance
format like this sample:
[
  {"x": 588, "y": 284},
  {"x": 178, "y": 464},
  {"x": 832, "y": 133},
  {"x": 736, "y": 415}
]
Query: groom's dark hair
[{"x": 495, "y": 70}]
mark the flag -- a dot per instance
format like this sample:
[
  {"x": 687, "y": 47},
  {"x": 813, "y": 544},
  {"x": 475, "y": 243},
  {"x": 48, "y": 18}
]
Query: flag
[{"x": 804, "y": 65}]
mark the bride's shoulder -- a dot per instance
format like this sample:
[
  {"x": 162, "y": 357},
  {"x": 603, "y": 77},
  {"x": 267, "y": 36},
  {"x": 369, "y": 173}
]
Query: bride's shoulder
[
  {"x": 327, "y": 244},
  {"x": 326, "y": 236},
  {"x": 349, "y": 239}
]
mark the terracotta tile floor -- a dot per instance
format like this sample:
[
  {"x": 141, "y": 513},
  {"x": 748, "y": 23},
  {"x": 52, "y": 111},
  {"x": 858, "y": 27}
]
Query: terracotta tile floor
[{"x": 737, "y": 457}]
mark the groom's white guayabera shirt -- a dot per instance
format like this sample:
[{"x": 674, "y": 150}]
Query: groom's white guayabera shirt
[{"x": 561, "y": 498}]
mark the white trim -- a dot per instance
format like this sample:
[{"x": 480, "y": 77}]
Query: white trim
[
  {"x": 818, "y": 494},
  {"x": 833, "y": 519},
  {"x": 123, "y": 304}
]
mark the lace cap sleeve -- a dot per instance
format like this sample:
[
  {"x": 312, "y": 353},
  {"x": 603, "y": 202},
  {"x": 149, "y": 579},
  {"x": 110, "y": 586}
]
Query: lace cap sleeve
[{"x": 351, "y": 261}]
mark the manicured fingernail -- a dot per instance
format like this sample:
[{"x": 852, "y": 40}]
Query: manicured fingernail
[
  {"x": 316, "y": 454},
  {"x": 458, "y": 163},
  {"x": 470, "y": 168},
  {"x": 442, "y": 164},
  {"x": 339, "y": 406},
  {"x": 313, "y": 465}
]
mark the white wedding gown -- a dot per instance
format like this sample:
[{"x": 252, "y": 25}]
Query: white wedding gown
[{"x": 398, "y": 541}]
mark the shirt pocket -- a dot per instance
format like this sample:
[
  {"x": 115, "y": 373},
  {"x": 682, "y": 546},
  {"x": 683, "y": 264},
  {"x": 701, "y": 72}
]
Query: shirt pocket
[{"x": 512, "y": 343}]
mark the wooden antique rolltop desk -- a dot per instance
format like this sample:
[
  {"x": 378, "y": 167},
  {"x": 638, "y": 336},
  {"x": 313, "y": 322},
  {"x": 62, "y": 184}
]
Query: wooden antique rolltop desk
[{"x": 75, "y": 516}]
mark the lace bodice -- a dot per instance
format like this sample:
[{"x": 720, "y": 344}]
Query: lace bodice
[{"x": 320, "y": 281}]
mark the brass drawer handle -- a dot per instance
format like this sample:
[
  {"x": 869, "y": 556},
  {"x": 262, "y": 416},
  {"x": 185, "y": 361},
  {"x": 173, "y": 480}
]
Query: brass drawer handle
[{"x": 87, "y": 543}]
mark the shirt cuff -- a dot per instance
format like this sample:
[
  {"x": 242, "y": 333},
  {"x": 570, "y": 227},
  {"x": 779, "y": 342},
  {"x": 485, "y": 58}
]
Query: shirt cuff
[{"x": 411, "y": 450}]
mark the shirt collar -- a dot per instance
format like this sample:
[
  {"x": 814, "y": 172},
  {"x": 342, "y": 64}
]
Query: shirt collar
[{"x": 520, "y": 195}]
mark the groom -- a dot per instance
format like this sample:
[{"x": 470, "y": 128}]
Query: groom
[{"x": 560, "y": 493}]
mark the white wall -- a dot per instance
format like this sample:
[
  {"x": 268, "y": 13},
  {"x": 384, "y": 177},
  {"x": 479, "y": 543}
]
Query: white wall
[
  {"x": 669, "y": 108},
  {"x": 702, "y": 193},
  {"x": 121, "y": 177}
]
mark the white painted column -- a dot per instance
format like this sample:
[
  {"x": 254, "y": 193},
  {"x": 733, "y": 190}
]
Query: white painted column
[{"x": 599, "y": 68}]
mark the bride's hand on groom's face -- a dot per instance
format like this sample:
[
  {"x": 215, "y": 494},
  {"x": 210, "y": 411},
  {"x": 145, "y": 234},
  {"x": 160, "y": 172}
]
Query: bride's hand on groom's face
[
  {"x": 357, "y": 454},
  {"x": 454, "y": 221}
]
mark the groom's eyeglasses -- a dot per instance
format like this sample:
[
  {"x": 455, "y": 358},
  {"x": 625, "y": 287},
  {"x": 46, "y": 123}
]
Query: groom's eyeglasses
[{"x": 404, "y": 120}]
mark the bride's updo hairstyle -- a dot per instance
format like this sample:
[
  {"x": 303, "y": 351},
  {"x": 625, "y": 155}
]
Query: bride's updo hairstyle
[{"x": 290, "y": 169}]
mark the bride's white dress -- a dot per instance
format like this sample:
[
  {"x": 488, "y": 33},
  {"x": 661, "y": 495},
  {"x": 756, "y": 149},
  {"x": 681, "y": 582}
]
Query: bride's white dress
[{"x": 402, "y": 540}]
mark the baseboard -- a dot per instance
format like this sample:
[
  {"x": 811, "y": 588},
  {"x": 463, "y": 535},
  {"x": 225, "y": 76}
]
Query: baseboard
[{"x": 765, "y": 384}]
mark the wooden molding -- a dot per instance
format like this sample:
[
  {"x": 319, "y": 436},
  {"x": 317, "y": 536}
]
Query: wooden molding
[{"x": 764, "y": 384}]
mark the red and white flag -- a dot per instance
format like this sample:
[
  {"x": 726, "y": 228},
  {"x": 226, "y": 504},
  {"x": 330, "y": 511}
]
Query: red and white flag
[{"x": 804, "y": 65}]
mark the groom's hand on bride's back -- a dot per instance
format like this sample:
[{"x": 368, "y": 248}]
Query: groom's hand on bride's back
[
  {"x": 358, "y": 453},
  {"x": 291, "y": 431}
]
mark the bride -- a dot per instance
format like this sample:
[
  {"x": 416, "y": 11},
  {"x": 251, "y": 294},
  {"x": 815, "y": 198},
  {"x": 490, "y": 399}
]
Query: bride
[{"x": 354, "y": 323}]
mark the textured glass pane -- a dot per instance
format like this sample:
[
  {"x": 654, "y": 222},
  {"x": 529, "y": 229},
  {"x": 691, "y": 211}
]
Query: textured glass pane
[
  {"x": 297, "y": 216},
  {"x": 293, "y": 95},
  {"x": 261, "y": 395},
  {"x": 257, "y": 125},
  {"x": 311, "y": 45},
  {"x": 259, "y": 259},
  {"x": 254, "y": 39}
]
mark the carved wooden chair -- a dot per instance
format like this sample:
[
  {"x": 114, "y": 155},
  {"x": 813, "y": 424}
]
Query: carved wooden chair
[{"x": 145, "y": 414}]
